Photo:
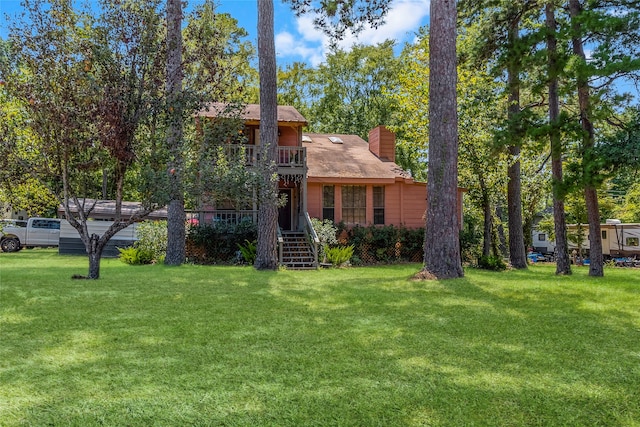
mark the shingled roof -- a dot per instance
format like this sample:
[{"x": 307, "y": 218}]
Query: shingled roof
[
  {"x": 350, "y": 159},
  {"x": 251, "y": 113}
]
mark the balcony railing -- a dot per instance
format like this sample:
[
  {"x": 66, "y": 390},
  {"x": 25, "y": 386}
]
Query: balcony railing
[
  {"x": 287, "y": 156},
  {"x": 222, "y": 216}
]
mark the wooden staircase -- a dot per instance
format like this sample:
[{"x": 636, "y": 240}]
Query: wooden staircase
[{"x": 297, "y": 253}]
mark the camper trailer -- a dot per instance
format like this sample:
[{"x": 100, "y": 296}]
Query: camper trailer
[
  {"x": 618, "y": 239},
  {"x": 542, "y": 243}
]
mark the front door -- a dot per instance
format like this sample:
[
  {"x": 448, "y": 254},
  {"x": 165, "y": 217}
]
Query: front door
[{"x": 284, "y": 212}]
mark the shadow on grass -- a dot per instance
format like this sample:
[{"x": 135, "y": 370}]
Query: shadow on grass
[{"x": 231, "y": 346}]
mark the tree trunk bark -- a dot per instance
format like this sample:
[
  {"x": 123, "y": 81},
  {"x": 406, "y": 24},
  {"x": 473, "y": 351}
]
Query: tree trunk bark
[
  {"x": 175, "y": 210},
  {"x": 563, "y": 264},
  {"x": 94, "y": 251},
  {"x": 266, "y": 251},
  {"x": 442, "y": 245},
  {"x": 517, "y": 250},
  {"x": 596, "y": 260}
]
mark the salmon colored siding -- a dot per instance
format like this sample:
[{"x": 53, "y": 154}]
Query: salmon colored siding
[
  {"x": 414, "y": 204},
  {"x": 314, "y": 200},
  {"x": 288, "y": 136},
  {"x": 405, "y": 203},
  {"x": 382, "y": 143}
]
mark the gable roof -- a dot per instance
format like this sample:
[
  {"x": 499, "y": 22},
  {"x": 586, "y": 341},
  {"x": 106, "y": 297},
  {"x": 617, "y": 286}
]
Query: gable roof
[
  {"x": 350, "y": 159},
  {"x": 251, "y": 113}
]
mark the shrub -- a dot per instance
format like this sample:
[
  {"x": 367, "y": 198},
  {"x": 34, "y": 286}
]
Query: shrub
[
  {"x": 470, "y": 239},
  {"x": 152, "y": 237},
  {"x": 339, "y": 255},
  {"x": 135, "y": 256},
  {"x": 383, "y": 244},
  {"x": 248, "y": 251},
  {"x": 326, "y": 232},
  {"x": 218, "y": 243},
  {"x": 492, "y": 262}
]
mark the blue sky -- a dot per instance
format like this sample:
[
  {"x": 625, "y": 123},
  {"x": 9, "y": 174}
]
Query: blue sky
[{"x": 296, "y": 39}]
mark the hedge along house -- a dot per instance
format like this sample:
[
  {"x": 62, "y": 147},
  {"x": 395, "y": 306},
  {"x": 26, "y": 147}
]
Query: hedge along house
[{"x": 359, "y": 183}]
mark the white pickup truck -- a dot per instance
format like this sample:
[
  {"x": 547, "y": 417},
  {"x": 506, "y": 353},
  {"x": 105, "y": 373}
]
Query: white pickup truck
[{"x": 38, "y": 232}]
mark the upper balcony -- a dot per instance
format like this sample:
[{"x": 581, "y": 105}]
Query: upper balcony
[{"x": 288, "y": 157}]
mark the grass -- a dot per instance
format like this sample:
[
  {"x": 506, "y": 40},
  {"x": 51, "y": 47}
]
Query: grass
[{"x": 229, "y": 346}]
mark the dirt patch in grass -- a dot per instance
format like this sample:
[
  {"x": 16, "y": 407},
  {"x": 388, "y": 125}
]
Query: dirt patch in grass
[{"x": 424, "y": 275}]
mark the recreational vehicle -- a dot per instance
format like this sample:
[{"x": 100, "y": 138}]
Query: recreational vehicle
[{"x": 618, "y": 239}]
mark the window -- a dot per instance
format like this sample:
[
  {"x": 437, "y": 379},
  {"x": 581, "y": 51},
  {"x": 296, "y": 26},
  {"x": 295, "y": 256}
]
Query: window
[
  {"x": 328, "y": 202},
  {"x": 542, "y": 237},
  {"x": 604, "y": 234},
  {"x": 354, "y": 204},
  {"x": 633, "y": 241},
  {"x": 47, "y": 224},
  {"x": 378, "y": 205}
]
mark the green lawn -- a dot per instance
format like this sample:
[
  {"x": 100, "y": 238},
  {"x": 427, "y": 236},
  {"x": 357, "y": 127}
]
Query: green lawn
[{"x": 229, "y": 346}]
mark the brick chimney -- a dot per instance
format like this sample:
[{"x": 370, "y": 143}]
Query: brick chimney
[{"x": 382, "y": 143}]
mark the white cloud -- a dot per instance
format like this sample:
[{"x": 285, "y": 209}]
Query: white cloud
[
  {"x": 311, "y": 45},
  {"x": 288, "y": 45}
]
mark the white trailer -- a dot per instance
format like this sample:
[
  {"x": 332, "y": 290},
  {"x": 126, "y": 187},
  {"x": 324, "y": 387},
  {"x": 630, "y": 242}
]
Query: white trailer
[
  {"x": 71, "y": 244},
  {"x": 542, "y": 243},
  {"x": 618, "y": 239}
]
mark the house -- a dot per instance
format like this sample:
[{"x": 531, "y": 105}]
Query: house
[
  {"x": 7, "y": 212},
  {"x": 357, "y": 182},
  {"x": 292, "y": 162},
  {"x": 326, "y": 176}
]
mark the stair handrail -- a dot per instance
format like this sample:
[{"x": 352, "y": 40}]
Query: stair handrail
[
  {"x": 313, "y": 235},
  {"x": 280, "y": 245}
]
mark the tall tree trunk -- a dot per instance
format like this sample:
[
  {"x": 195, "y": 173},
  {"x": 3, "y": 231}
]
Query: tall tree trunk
[
  {"x": 442, "y": 246},
  {"x": 563, "y": 264},
  {"x": 596, "y": 262},
  {"x": 266, "y": 251},
  {"x": 517, "y": 251},
  {"x": 175, "y": 210}
]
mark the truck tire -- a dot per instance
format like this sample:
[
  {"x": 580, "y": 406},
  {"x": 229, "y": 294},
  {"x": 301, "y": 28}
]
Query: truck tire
[{"x": 10, "y": 245}]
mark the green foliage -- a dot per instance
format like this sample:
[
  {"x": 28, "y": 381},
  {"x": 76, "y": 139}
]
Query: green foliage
[
  {"x": 382, "y": 245},
  {"x": 136, "y": 256},
  {"x": 629, "y": 211},
  {"x": 327, "y": 234},
  {"x": 470, "y": 239},
  {"x": 218, "y": 243},
  {"x": 347, "y": 94},
  {"x": 339, "y": 255},
  {"x": 492, "y": 262},
  {"x": 547, "y": 226},
  {"x": 152, "y": 237},
  {"x": 217, "y": 57},
  {"x": 248, "y": 251},
  {"x": 326, "y": 231}
]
